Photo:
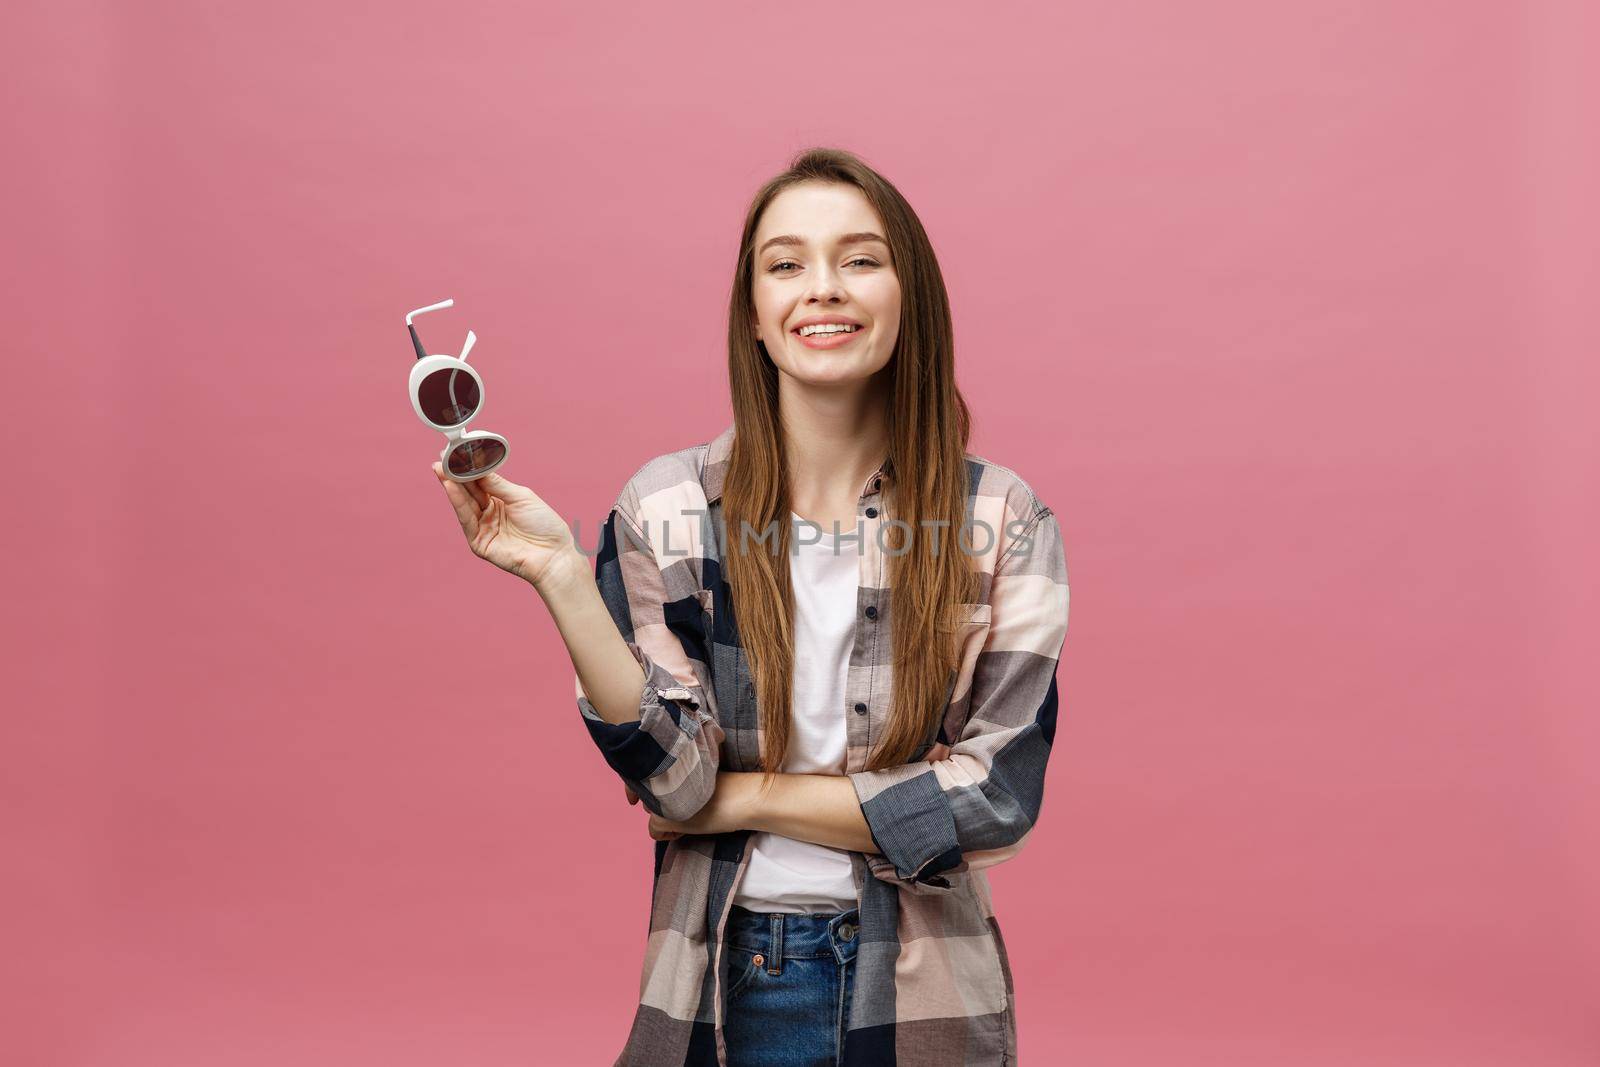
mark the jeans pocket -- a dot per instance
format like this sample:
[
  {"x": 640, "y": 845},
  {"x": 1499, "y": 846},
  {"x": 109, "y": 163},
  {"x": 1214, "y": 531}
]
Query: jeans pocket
[{"x": 743, "y": 963}]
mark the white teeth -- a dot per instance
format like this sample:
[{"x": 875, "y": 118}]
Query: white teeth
[{"x": 830, "y": 327}]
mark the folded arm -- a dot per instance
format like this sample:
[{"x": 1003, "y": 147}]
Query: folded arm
[
  {"x": 658, "y": 730},
  {"x": 977, "y": 806}
]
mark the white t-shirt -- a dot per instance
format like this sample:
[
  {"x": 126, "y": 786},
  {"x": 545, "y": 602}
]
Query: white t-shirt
[{"x": 786, "y": 874}]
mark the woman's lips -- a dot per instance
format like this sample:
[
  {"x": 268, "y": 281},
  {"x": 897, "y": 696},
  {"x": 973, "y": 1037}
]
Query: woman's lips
[{"x": 830, "y": 340}]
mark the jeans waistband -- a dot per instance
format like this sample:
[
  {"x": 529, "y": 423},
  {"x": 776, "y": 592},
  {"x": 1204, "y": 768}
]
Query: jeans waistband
[{"x": 795, "y": 935}]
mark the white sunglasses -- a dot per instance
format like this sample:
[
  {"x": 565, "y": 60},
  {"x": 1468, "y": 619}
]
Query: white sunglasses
[{"x": 446, "y": 394}]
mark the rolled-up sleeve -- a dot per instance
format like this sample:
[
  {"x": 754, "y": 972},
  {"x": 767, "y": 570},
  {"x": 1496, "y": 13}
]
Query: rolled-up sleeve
[
  {"x": 935, "y": 820},
  {"x": 670, "y": 755}
]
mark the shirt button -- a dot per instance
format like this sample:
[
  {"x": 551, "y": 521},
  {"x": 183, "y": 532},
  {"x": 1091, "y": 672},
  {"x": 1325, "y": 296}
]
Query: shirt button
[
  {"x": 872, "y": 611},
  {"x": 872, "y": 513},
  {"x": 861, "y": 709},
  {"x": 876, "y": 482}
]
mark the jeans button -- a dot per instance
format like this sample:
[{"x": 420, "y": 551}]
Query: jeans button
[{"x": 847, "y": 931}]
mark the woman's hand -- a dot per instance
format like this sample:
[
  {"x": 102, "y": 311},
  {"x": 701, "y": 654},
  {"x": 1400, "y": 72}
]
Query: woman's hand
[
  {"x": 508, "y": 525},
  {"x": 728, "y": 809}
]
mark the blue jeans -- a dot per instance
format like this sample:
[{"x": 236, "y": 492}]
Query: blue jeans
[{"x": 788, "y": 979}]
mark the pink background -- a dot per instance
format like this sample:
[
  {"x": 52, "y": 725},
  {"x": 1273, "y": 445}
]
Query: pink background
[{"x": 1288, "y": 309}]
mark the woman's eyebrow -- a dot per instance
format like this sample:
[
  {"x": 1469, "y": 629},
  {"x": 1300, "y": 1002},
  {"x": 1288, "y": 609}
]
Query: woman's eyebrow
[{"x": 844, "y": 239}]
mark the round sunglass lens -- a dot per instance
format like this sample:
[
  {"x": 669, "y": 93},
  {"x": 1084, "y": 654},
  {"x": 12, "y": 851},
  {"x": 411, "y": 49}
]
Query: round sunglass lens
[
  {"x": 449, "y": 397},
  {"x": 475, "y": 457}
]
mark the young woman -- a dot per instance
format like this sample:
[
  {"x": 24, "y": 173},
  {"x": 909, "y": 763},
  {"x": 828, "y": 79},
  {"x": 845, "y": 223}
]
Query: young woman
[{"x": 821, "y": 649}]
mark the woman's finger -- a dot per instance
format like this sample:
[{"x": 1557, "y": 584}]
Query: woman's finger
[
  {"x": 477, "y": 492},
  {"x": 658, "y": 829},
  {"x": 505, "y": 489},
  {"x": 466, "y": 511}
]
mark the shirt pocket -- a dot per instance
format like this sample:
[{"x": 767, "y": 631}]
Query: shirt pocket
[
  {"x": 971, "y": 634},
  {"x": 975, "y": 615},
  {"x": 971, "y": 618}
]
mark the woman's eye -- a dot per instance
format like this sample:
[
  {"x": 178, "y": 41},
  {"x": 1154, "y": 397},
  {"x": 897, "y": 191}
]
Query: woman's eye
[{"x": 776, "y": 267}]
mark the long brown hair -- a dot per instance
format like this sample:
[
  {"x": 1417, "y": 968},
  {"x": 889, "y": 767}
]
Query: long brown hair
[{"x": 928, "y": 423}]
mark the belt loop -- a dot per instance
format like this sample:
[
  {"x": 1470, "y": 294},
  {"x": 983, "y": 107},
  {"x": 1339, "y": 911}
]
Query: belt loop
[{"x": 775, "y": 960}]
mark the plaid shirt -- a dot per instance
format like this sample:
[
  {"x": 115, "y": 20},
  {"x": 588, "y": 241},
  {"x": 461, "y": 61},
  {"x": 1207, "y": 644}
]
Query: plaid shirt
[{"x": 932, "y": 985}]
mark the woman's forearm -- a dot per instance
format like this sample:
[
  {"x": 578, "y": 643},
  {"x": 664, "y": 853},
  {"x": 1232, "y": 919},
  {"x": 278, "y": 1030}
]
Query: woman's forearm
[
  {"x": 611, "y": 678},
  {"x": 820, "y": 808}
]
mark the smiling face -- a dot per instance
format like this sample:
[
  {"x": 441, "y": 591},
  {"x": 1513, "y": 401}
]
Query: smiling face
[{"x": 822, "y": 254}]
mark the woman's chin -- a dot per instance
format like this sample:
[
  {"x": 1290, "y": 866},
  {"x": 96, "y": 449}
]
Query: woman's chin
[
  {"x": 833, "y": 377},
  {"x": 826, "y": 368}
]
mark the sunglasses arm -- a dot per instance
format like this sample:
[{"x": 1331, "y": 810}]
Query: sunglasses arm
[{"x": 416, "y": 342}]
